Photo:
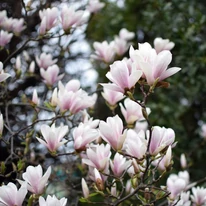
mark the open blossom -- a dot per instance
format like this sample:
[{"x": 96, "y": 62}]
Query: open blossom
[
  {"x": 53, "y": 136},
  {"x": 18, "y": 26},
  {"x": 112, "y": 132},
  {"x": 5, "y": 37},
  {"x": 48, "y": 17},
  {"x": 122, "y": 76},
  {"x": 3, "y": 76},
  {"x": 132, "y": 111},
  {"x": 51, "y": 75},
  {"x": 198, "y": 196},
  {"x": 98, "y": 156},
  {"x": 104, "y": 51},
  {"x": 95, "y": 5},
  {"x": 84, "y": 134},
  {"x": 163, "y": 44},
  {"x": 73, "y": 100},
  {"x": 52, "y": 201},
  {"x": 112, "y": 97},
  {"x": 160, "y": 139},
  {"x": 45, "y": 60},
  {"x": 70, "y": 17},
  {"x": 10, "y": 195},
  {"x": 154, "y": 66},
  {"x": 36, "y": 181},
  {"x": 135, "y": 144},
  {"x": 119, "y": 164}
]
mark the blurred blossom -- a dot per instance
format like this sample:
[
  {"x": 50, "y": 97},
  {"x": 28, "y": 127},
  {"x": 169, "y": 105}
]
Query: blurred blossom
[
  {"x": 5, "y": 38},
  {"x": 126, "y": 35},
  {"x": 119, "y": 164},
  {"x": 120, "y": 46},
  {"x": 88, "y": 121},
  {"x": 98, "y": 179},
  {"x": 98, "y": 156},
  {"x": 94, "y": 6},
  {"x": 104, "y": 51},
  {"x": 183, "y": 161},
  {"x": 18, "y": 26},
  {"x": 112, "y": 132},
  {"x": 112, "y": 97},
  {"x": 32, "y": 67},
  {"x": 198, "y": 196},
  {"x": 71, "y": 18},
  {"x": 1, "y": 124},
  {"x": 83, "y": 135},
  {"x": 85, "y": 188},
  {"x": 140, "y": 125},
  {"x": 203, "y": 131},
  {"x": 18, "y": 63},
  {"x": 3, "y": 16},
  {"x": 54, "y": 98},
  {"x": 35, "y": 98},
  {"x": 11, "y": 196},
  {"x": 45, "y": 60},
  {"x": 52, "y": 201},
  {"x": 160, "y": 139},
  {"x": 183, "y": 200},
  {"x": 163, "y": 44},
  {"x": 53, "y": 136},
  {"x": 122, "y": 76},
  {"x": 51, "y": 75},
  {"x": 3, "y": 76},
  {"x": 153, "y": 65},
  {"x": 36, "y": 181}
]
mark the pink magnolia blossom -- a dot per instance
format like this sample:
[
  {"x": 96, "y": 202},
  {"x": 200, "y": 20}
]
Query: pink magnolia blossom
[
  {"x": 183, "y": 161},
  {"x": 183, "y": 199},
  {"x": 3, "y": 76},
  {"x": 120, "y": 46},
  {"x": 104, "y": 51},
  {"x": 122, "y": 76},
  {"x": 88, "y": 121},
  {"x": 36, "y": 181},
  {"x": 49, "y": 17},
  {"x": 32, "y": 67},
  {"x": 10, "y": 195},
  {"x": 54, "y": 98},
  {"x": 45, "y": 60},
  {"x": 3, "y": 17},
  {"x": 52, "y": 201},
  {"x": 112, "y": 132},
  {"x": 69, "y": 98},
  {"x": 35, "y": 98},
  {"x": 125, "y": 34},
  {"x": 112, "y": 97},
  {"x": 99, "y": 180},
  {"x": 132, "y": 111},
  {"x": 153, "y": 65},
  {"x": 83, "y": 135},
  {"x": 135, "y": 144},
  {"x": 160, "y": 139},
  {"x": 5, "y": 38},
  {"x": 18, "y": 26},
  {"x": 98, "y": 157},
  {"x": 51, "y": 75},
  {"x": 119, "y": 164},
  {"x": 198, "y": 196},
  {"x": 95, "y": 5},
  {"x": 85, "y": 188},
  {"x": 163, "y": 44},
  {"x": 70, "y": 17},
  {"x": 53, "y": 136}
]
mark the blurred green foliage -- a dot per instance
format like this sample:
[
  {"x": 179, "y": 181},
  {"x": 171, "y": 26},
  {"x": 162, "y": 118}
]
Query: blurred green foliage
[{"x": 182, "y": 105}]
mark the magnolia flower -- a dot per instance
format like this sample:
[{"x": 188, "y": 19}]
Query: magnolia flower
[
  {"x": 120, "y": 46},
  {"x": 183, "y": 199},
  {"x": 32, "y": 67},
  {"x": 36, "y": 181},
  {"x": 53, "y": 136},
  {"x": 203, "y": 131},
  {"x": 54, "y": 98},
  {"x": 153, "y": 65},
  {"x": 18, "y": 26},
  {"x": 163, "y": 44},
  {"x": 45, "y": 60},
  {"x": 52, "y": 201},
  {"x": 1, "y": 124},
  {"x": 35, "y": 98},
  {"x": 94, "y": 6},
  {"x": 135, "y": 144},
  {"x": 98, "y": 157},
  {"x": 198, "y": 196},
  {"x": 10, "y": 196},
  {"x": 132, "y": 111},
  {"x": 3, "y": 16},
  {"x": 183, "y": 161},
  {"x": 104, "y": 51},
  {"x": 112, "y": 132},
  {"x": 119, "y": 164},
  {"x": 85, "y": 188},
  {"x": 3, "y": 76},
  {"x": 126, "y": 35},
  {"x": 83, "y": 135},
  {"x": 70, "y": 17},
  {"x": 122, "y": 76},
  {"x": 51, "y": 75},
  {"x": 160, "y": 139},
  {"x": 88, "y": 121},
  {"x": 98, "y": 179},
  {"x": 5, "y": 38}
]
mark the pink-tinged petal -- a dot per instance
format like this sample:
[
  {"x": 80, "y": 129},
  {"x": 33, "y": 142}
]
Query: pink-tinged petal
[
  {"x": 21, "y": 194},
  {"x": 134, "y": 77},
  {"x": 169, "y": 72},
  {"x": 163, "y": 60},
  {"x": 8, "y": 194},
  {"x": 44, "y": 130},
  {"x": 44, "y": 179},
  {"x": 73, "y": 85},
  {"x": 155, "y": 141},
  {"x": 113, "y": 87},
  {"x": 147, "y": 70},
  {"x": 42, "y": 141},
  {"x": 4, "y": 76}
]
